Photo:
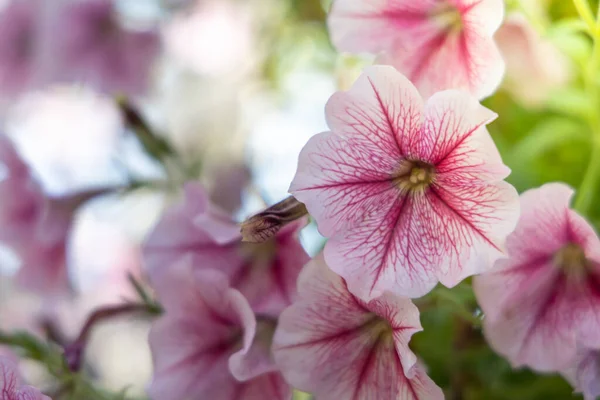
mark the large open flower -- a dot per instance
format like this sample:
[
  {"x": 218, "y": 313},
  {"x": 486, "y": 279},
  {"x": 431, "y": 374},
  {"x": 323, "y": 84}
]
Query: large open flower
[
  {"x": 545, "y": 299},
  {"x": 336, "y": 346},
  {"x": 209, "y": 344},
  {"x": 10, "y": 387},
  {"x": 438, "y": 44},
  {"x": 409, "y": 192},
  {"x": 265, "y": 273}
]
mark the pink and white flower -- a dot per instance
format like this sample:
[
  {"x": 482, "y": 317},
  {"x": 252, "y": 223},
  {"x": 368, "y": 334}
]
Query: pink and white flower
[
  {"x": 336, "y": 346},
  {"x": 264, "y": 273},
  {"x": 437, "y": 44},
  {"x": 584, "y": 374},
  {"x": 10, "y": 386},
  {"x": 410, "y": 192},
  {"x": 544, "y": 301},
  {"x": 95, "y": 48},
  {"x": 209, "y": 344}
]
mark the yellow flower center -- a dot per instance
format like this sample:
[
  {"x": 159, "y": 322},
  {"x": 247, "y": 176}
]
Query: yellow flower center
[
  {"x": 448, "y": 17},
  {"x": 414, "y": 176},
  {"x": 571, "y": 260}
]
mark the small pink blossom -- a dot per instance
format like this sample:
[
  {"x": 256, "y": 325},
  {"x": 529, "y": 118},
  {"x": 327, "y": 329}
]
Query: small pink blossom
[
  {"x": 534, "y": 66},
  {"x": 410, "y": 192},
  {"x": 437, "y": 44},
  {"x": 545, "y": 299},
  {"x": 264, "y": 273},
  {"x": 209, "y": 344},
  {"x": 584, "y": 374},
  {"x": 10, "y": 387},
  {"x": 336, "y": 346},
  {"x": 95, "y": 48}
]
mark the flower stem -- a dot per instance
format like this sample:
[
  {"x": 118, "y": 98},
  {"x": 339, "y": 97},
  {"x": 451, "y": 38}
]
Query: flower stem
[{"x": 586, "y": 192}]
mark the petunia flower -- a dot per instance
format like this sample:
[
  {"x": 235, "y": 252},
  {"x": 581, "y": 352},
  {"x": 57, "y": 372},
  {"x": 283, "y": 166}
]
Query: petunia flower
[
  {"x": 534, "y": 66},
  {"x": 97, "y": 49},
  {"x": 336, "y": 346},
  {"x": 208, "y": 344},
  {"x": 545, "y": 299},
  {"x": 437, "y": 44},
  {"x": 34, "y": 225},
  {"x": 410, "y": 192},
  {"x": 584, "y": 374},
  {"x": 10, "y": 387},
  {"x": 264, "y": 273}
]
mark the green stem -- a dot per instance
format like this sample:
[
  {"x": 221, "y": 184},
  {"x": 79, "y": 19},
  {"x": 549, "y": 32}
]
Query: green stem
[
  {"x": 585, "y": 12},
  {"x": 585, "y": 196}
]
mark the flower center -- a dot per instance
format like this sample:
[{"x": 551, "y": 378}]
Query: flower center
[
  {"x": 448, "y": 16},
  {"x": 414, "y": 176},
  {"x": 571, "y": 260}
]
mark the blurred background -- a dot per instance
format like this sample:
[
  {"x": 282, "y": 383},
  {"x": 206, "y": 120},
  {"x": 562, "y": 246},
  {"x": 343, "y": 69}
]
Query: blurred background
[{"x": 134, "y": 97}]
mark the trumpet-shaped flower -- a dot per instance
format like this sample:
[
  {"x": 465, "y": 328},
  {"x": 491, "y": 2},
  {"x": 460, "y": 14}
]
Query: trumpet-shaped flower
[
  {"x": 410, "y": 192},
  {"x": 544, "y": 301},
  {"x": 336, "y": 346},
  {"x": 209, "y": 344},
  {"x": 438, "y": 44},
  {"x": 264, "y": 273},
  {"x": 11, "y": 389}
]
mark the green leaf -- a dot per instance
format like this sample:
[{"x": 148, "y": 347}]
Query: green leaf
[{"x": 572, "y": 102}]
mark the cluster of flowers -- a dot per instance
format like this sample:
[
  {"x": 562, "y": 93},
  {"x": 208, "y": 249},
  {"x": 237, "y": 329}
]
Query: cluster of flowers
[
  {"x": 44, "y": 42},
  {"x": 409, "y": 189}
]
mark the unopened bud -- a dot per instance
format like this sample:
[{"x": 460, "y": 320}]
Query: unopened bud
[{"x": 264, "y": 225}]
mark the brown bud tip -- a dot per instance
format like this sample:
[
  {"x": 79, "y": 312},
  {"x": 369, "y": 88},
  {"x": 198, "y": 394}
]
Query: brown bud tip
[
  {"x": 259, "y": 228},
  {"x": 263, "y": 226}
]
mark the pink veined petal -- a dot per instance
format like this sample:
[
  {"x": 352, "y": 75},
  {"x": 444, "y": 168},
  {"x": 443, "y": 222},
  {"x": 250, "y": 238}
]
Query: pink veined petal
[
  {"x": 485, "y": 15},
  {"x": 44, "y": 269},
  {"x": 373, "y": 25},
  {"x": 256, "y": 360},
  {"x": 390, "y": 250},
  {"x": 340, "y": 173},
  {"x": 10, "y": 388},
  {"x": 335, "y": 346},
  {"x": 468, "y": 60},
  {"x": 269, "y": 386},
  {"x": 584, "y": 374},
  {"x": 269, "y": 282},
  {"x": 454, "y": 132}
]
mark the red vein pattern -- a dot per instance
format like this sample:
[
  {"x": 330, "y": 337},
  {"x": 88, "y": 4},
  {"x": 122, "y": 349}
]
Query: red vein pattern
[
  {"x": 538, "y": 308},
  {"x": 336, "y": 346},
  {"x": 382, "y": 235},
  {"x": 10, "y": 388},
  {"x": 437, "y": 44},
  {"x": 208, "y": 344}
]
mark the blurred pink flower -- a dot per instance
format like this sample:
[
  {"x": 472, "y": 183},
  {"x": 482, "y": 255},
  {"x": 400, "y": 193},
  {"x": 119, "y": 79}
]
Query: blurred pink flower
[
  {"x": 34, "y": 225},
  {"x": 438, "y": 44},
  {"x": 584, "y": 374},
  {"x": 95, "y": 48},
  {"x": 18, "y": 41},
  {"x": 534, "y": 66},
  {"x": 265, "y": 273},
  {"x": 336, "y": 346},
  {"x": 208, "y": 344},
  {"x": 10, "y": 387},
  {"x": 546, "y": 297},
  {"x": 410, "y": 192}
]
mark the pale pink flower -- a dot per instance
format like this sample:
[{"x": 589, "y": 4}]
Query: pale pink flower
[
  {"x": 584, "y": 374},
  {"x": 437, "y": 44},
  {"x": 95, "y": 48},
  {"x": 336, "y": 346},
  {"x": 265, "y": 273},
  {"x": 545, "y": 298},
  {"x": 410, "y": 192},
  {"x": 10, "y": 386},
  {"x": 34, "y": 225},
  {"x": 534, "y": 66},
  {"x": 208, "y": 344}
]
